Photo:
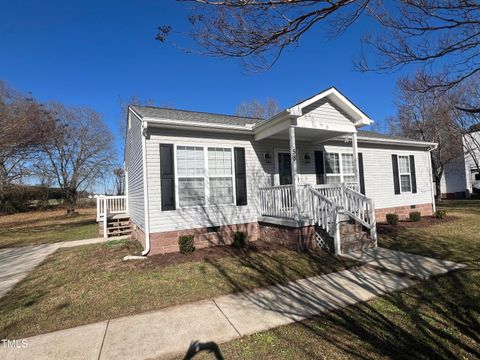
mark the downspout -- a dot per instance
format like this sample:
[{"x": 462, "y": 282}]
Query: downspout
[
  {"x": 432, "y": 192},
  {"x": 145, "y": 189}
]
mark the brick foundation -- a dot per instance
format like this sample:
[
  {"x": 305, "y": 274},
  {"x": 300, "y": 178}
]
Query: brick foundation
[
  {"x": 167, "y": 242},
  {"x": 291, "y": 237},
  {"x": 403, "y": 211},
  {"x": 138, "y": 234}
]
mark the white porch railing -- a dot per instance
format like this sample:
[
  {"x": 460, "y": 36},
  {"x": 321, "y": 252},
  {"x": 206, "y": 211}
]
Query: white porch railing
[
  {"x": 322, "y": 204},
  {"x": 107, "y": 205},
  {"x": 277, "y": 201}
]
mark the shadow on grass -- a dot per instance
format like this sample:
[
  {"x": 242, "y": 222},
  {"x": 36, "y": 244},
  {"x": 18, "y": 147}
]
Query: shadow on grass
[
  {"x": 197, "y": 347},
  {"x": 437, "y": 318}
]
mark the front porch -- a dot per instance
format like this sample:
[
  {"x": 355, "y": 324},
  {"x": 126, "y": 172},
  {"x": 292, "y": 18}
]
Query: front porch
[{"x": 333, "y": 204}]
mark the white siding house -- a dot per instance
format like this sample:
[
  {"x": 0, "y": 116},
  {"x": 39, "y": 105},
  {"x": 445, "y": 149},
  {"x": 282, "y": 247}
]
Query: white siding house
[
  {"x": 461, "y": 177},
  {"x": 308, "y": 167}
]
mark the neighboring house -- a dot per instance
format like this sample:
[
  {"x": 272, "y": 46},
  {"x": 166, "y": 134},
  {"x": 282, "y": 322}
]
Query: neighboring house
[
  {"x": 461, "y": 177},
  {"x": 295, "y": 177}
]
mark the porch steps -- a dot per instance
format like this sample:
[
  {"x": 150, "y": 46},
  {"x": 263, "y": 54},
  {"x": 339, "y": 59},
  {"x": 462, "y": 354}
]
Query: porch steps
[
  {"x": 118, "y": 225},
  {"x": 354, "y": 238}
]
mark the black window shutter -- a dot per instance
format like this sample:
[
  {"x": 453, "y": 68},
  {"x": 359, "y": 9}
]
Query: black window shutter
[
  {"x": 240, "y": 176},
  {"x": 396, "y": 180},
  {"x": 414, "y": 175},
  {"x": 167, "y": 177},
  {"x": 361, "y": 173},
  {"x": 319, "y": 167}
]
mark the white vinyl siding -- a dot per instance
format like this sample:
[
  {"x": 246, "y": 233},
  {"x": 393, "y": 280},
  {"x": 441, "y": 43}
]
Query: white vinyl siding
[
  {"x": 134, "y": 168},
  {"x": 329, "y": 114},
  {"x": 260, "y": 173}
]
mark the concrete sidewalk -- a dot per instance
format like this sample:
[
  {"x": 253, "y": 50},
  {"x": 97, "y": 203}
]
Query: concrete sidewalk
[
  {"x": 400, "y": 262},
  {"x": 170, "y": 331},
  {"x": 17, "y": 262}
]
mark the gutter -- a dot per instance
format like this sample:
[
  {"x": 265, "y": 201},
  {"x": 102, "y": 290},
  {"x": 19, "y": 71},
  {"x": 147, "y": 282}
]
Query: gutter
[
  {"x": 431, "y": 148},
  {"x": 145, "y": 189},
  {"x": 198, "y": 125},
  {"x": 372, "y": 140}
]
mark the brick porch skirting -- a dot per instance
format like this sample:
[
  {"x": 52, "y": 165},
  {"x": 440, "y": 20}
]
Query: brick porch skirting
[
  {"x": 167, "y": 242},
  {"x": 403, "y": 211},
  {"x": 292, "y": 237}
]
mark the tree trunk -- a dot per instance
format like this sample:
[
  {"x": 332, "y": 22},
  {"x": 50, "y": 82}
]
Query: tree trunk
[
  {"x": 438, "y": 188},
  {"x": 70, "y": 201}
]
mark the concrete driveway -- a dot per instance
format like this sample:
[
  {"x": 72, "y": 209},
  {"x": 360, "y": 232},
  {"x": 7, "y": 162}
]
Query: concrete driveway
[{"x": 16, "y": 263}]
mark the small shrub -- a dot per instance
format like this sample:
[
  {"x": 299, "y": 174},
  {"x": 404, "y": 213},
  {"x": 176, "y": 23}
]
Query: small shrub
[
  {"x": 415, "y": 216},
  {"x": 239, "y": 239},
  {"x": 440, "y": 214},
  {"x": 392, "y": 219},
  {"x": 186, "y": 243}
]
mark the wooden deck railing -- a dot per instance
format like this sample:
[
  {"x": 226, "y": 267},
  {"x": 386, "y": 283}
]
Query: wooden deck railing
[{"x": 107, "y": 205}]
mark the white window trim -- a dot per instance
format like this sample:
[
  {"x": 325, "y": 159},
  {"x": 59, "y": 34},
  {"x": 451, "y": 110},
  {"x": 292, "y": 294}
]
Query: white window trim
[
  {"x": 404, "y": 173},
  {"x": 206, "y": 176},
  {"x": 340, "y": 165},
  {"x": 232, "y": 175}
]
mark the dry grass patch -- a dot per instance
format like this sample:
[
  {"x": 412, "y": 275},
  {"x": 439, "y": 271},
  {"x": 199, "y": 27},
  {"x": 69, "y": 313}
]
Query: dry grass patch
[
  {"x": 91, "y": 283},
  {"x": 42, "y": 227}
]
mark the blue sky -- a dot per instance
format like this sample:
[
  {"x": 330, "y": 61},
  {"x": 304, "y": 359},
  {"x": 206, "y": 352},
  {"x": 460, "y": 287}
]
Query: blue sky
[{"x": 91, "y": 53}]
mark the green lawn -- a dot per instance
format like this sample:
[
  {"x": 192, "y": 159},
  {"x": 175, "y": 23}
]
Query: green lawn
[
  {"x": 44, "y": 227},
  {"x": 91, "y": 283},
  {"x": 437, "y": 319}
]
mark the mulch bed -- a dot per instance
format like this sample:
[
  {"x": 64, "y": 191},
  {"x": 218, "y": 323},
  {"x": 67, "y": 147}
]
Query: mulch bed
[
  {"x": 212, "y": 253},
  {"x": 426, "y": 221}
]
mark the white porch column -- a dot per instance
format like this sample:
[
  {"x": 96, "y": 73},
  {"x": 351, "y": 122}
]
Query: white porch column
[
  {"x": 293, "y": 159},
  {"x": 355, "y": 159}
]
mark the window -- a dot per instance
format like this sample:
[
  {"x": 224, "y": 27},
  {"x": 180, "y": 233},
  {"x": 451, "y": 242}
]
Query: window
[
  {"x": 220, "y": 171},
  {"x": 332, "y": 167},
  {"x": 191, "y": 172},
  {"x": 339, "y": 168},
  {"x": 196, "y": 186},
  {"x": 404, "y": 173}
]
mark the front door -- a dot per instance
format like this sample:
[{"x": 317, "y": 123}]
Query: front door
[{"x": 284, "y": 168}]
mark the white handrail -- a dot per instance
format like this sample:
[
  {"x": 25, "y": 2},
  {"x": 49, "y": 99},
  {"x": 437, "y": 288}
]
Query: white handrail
[
  {"x": 325, "y": 212},
  {"x": 277, "y": 201},
  {"x": 107, "y": 205}
]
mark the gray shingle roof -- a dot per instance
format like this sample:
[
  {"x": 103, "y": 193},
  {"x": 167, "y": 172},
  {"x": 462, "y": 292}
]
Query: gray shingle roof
[
  {"x": 376, "y": 135},
  {"x": 204, "y": 117},
  {"x": 192, "y": 116}
]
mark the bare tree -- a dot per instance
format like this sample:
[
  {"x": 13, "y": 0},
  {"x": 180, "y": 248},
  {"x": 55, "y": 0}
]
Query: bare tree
[
  {"x": 79, "y": 152},
  {"x": 119, "y": 174},
  {"x": 257, "y": 109},
  {"x": 24, "y": 127},
  {"x": 442, "y": 36},
  {"x": 427, "y": 116}
]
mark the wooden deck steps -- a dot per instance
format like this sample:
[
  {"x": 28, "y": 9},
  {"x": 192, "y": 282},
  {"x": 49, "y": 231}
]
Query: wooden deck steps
[{"x": 118, "y": 225}]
